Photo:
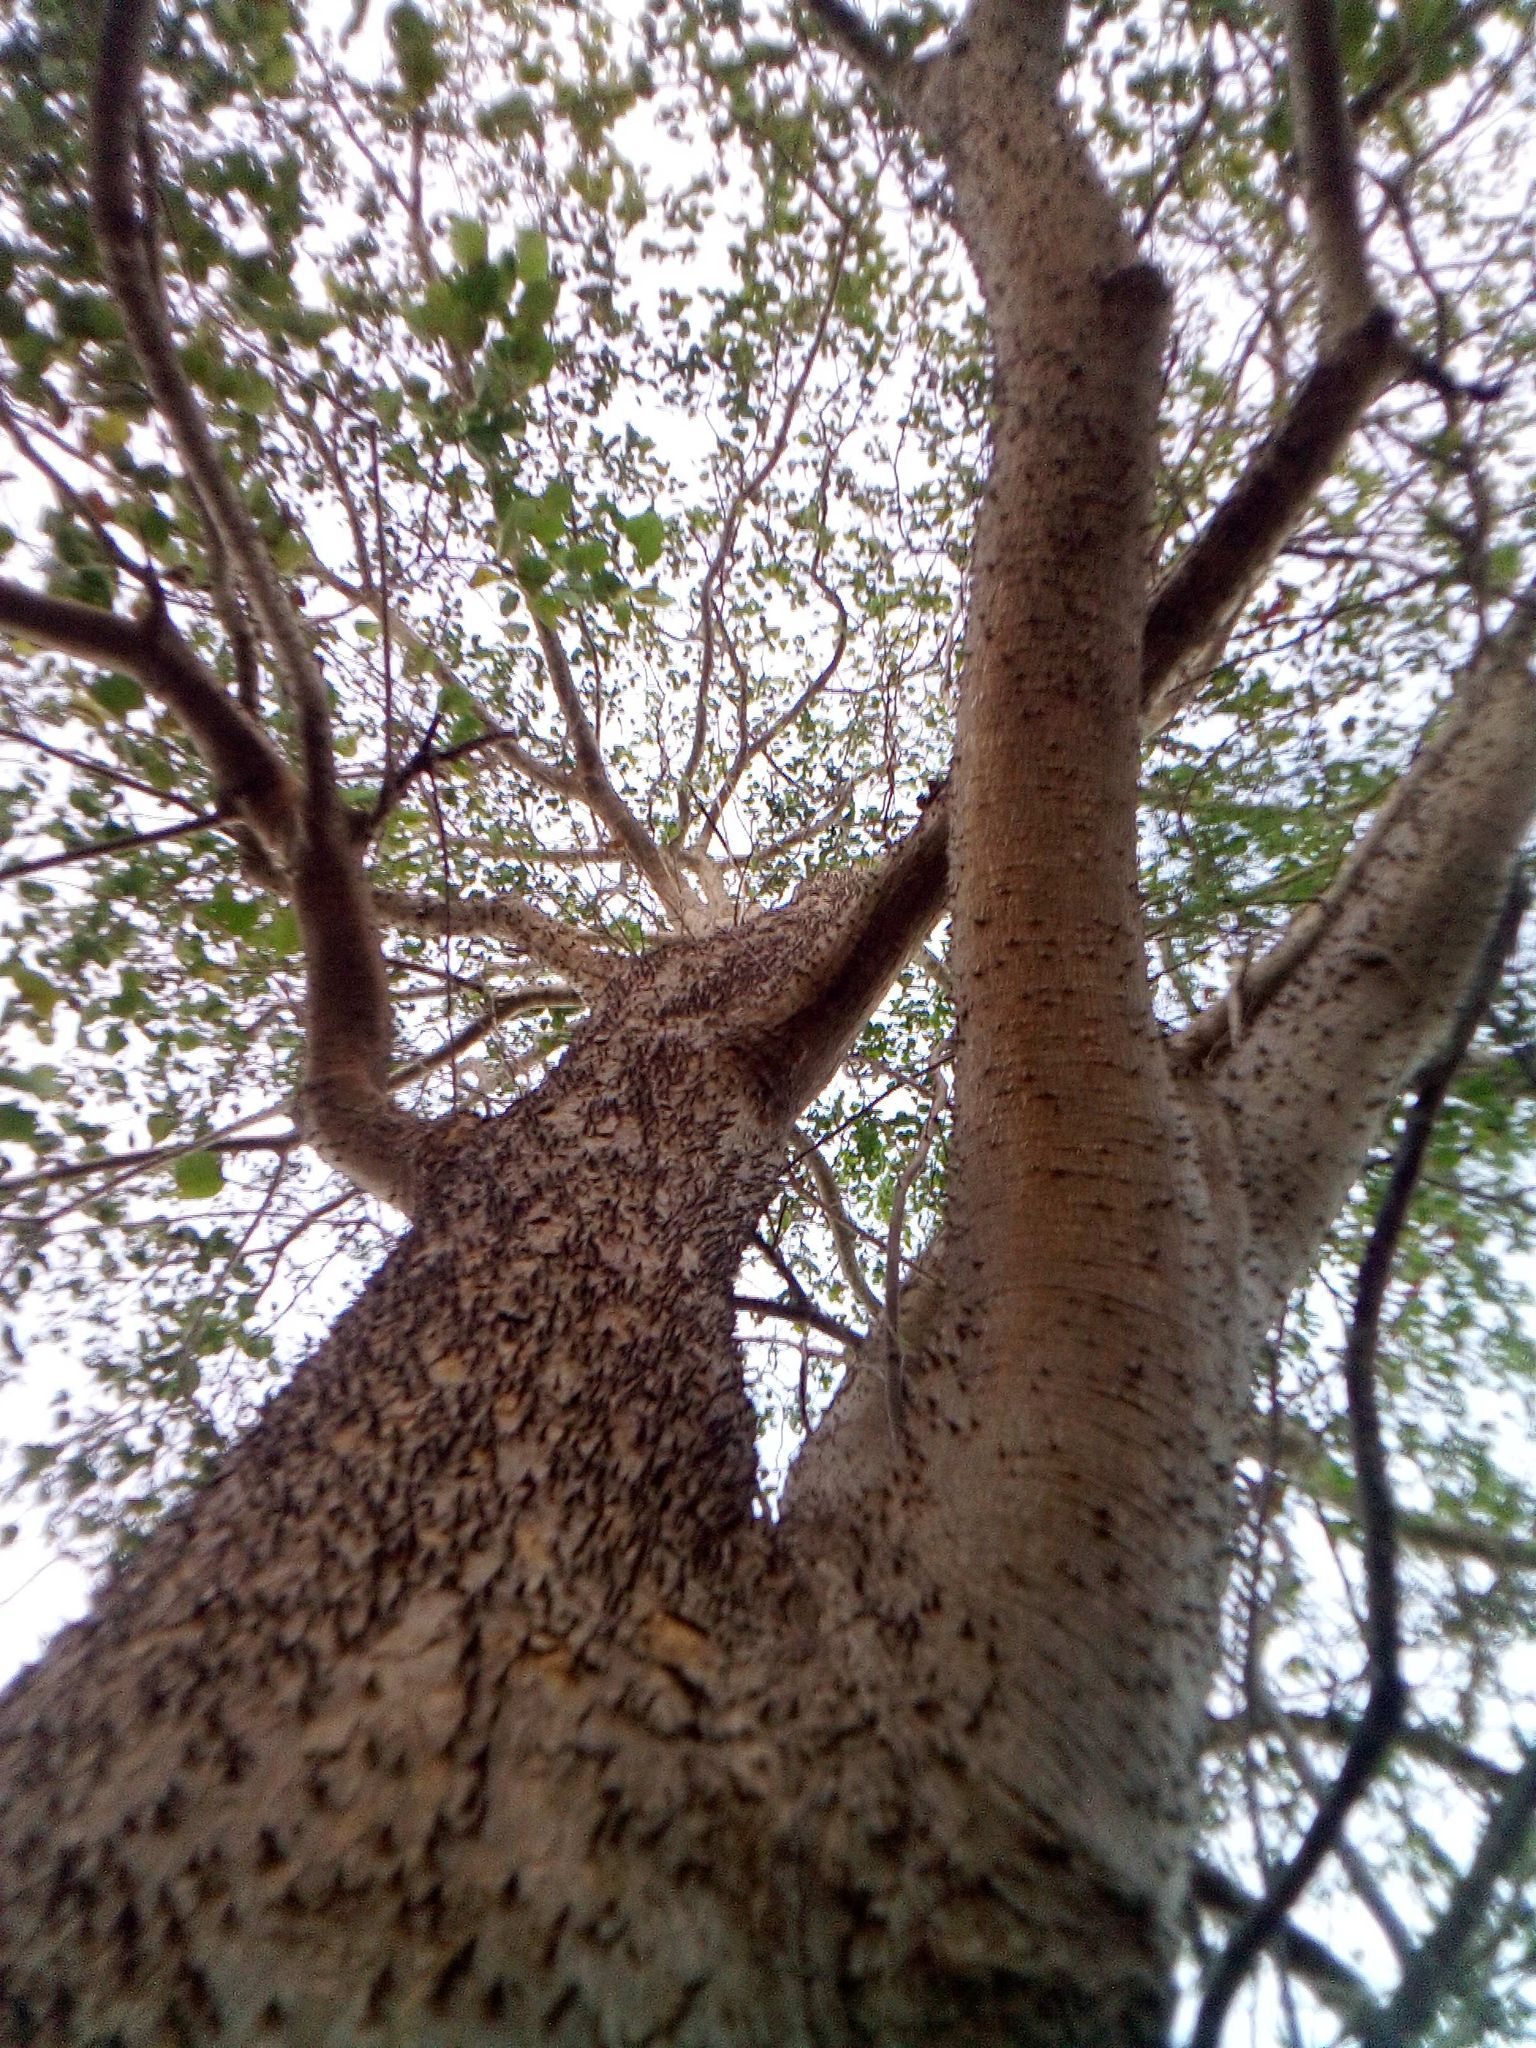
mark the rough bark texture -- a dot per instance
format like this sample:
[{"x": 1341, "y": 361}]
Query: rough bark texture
[
  {"x": 472, "y": 1702},
  {"x": 475, "y": 1701}
]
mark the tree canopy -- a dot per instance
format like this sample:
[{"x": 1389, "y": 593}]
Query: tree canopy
[{"x": 609, "y": 391}]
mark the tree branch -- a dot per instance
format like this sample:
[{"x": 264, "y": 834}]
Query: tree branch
[
  {"x": 598, "y": 792},
  {"x": 1325, "y": 145},
  {"x": 540, "y": 937},
  {"x": 515, "y": 1003},
  {"x": 807, "y": 1034},
  {"x": 840, "y": 1224},
  {"x": 863, "y": 46},
  {"x": 1440, "y": 1959},
  {"x": 1197, "y": 602},
  {"x": 1356, "y": 993},
  {"x": 249, "y": 775},
  {"x": 1387, "y": 1695},
  {"x": 801, "y": 1310},
  {"x": 347, "y": 1015},
  {"x": 120, "y": 842},
  {"x": 1417, "y": 1738},
  {"x": 541, "y": 773},
  {"x": 1331, "y": 1981}
]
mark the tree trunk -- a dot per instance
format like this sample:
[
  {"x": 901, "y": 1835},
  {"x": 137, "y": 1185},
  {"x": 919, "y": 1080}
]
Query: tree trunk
[{"x": 474, "y": 1701}]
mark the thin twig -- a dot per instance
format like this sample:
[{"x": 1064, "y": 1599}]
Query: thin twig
[{"x": 119, "y": 843}]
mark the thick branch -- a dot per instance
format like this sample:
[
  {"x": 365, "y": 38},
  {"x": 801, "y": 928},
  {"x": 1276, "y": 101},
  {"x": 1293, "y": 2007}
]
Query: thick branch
[
  {"x": 1387, "y": 1696},
  {"x": 531, "y": 932},
  {"x": 347, "y": 1016},
  {"x": 863, "y": 46},
  {"x": 1201, "y": 596},
  {"x": 1355, "y": 995},
  {"x": 1325, "y": 144},
  {"x": 124, "y": 239},
  {"x": 249, "y": 774},
  {"x": 893, "y": 911}
]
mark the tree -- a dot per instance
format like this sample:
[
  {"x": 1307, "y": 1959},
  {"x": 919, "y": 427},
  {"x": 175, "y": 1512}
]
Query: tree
[{"x": 471, "y": 1694}]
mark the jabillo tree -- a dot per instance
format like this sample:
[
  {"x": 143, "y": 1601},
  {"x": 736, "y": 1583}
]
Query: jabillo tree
[{"x": 493, "y": 616}]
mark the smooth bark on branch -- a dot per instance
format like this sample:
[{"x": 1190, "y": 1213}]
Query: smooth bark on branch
[
  {"x": 1199, "y": 599},
  {"x": 1325, "y": 144},
  {"x": 528, "y": 930},
  {"x": 1357, "y": 992}
]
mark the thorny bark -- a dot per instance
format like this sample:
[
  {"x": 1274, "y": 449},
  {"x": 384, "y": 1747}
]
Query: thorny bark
[{"x": 473, "y": 1701}]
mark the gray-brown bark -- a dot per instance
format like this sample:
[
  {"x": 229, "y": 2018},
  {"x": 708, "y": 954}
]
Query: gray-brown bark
[{"x": 474, "y": 1701}]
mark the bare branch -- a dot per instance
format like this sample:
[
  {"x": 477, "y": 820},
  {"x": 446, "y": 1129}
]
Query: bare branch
[
  {"x": 893, "y": 911},
  {"x": 347, "y": 1016},
  {"x": 714, "y": 575},
  {"x": 516, "y": 1002},
  {"x": 506, "y": 744},
  {"x": 1416, "y": 1738},
  {"x": 1500, "y": 1549},
  {"x": 1325, "y": 144},
  {"x": 120, "y": 842},
  {"x": 677, "y": 897},
  {"x": 1329, "y": 1979},
  {"x": 801, "y": 1309},
  {"x": 128, "y": 1163},
  {"x": 840, "y": 1224},
  {"x": 540, "y": 937}
]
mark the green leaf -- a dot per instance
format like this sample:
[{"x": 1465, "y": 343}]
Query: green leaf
[
  {"x": 532, "y": 256},
  {"x": 117, "y": 693},
  {"x": 237, "y": 915},
  {"x": 647, "y": 535},
  {"x": 421, "y": 64},
  {"x": 282, "y": 932},
  {"x": 198, "y": 1175},
  {"x": 110, "y": 431},
  {"x": 470, "y": 243},
  {"x": 35, "y": 990},
  {"x": 508, "y": 118},
  {"x": 18, "y": 1124}
]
